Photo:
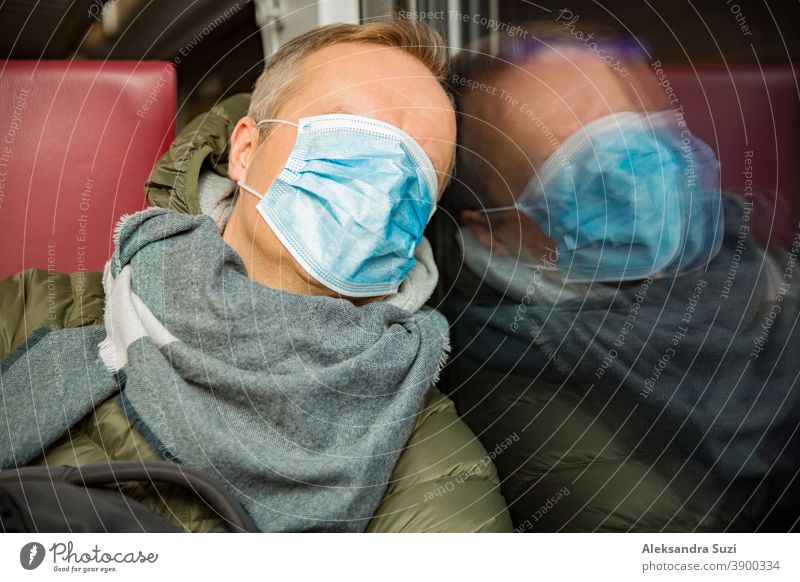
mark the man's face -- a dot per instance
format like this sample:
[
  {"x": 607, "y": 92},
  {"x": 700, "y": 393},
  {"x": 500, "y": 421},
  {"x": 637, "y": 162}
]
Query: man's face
[
  {"x": 369, "y": 80},
  {"x": 547, "y": 99}
]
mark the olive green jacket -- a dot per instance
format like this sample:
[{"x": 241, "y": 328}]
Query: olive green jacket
[{"x": 444, "y": 480}]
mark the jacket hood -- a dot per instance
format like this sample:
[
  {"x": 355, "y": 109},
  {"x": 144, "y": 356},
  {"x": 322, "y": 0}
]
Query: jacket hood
[{"x": 200, "y": 149}]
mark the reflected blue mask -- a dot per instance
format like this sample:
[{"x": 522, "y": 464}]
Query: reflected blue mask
[
  {"x": 352, "y": 202},
  {"x": 626, "y": 197}
]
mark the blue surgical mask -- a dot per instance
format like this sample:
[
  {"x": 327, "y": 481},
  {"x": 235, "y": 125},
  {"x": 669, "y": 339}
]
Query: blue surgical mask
[
  {"x": 626, "y": 197},
  {"x": 352, "y": 202}
]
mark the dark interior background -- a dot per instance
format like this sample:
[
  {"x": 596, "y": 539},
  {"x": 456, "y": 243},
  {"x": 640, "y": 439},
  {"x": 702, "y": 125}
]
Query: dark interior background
[{"x": 217, "y": 49}]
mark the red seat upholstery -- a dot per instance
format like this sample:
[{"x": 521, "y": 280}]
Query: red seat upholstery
[
  {"x": 77, "y": 142},
  {"x": 742, "y": 109}
]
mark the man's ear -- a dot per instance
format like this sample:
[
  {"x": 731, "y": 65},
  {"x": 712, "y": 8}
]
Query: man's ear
[
  {"x": 480, "y": 227},
  {"x": 244, "y": 142}
]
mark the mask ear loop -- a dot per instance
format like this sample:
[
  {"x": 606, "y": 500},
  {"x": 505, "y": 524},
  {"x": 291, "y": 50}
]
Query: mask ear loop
[
  {"x": 263, "y": 121},
  {"x": 247, "y": 188},
  {"x": 283, "y": 121}
]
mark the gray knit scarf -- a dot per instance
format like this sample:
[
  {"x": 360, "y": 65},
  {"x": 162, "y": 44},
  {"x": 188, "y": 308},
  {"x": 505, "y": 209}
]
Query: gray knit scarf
[{"x": 299, "y": 405}]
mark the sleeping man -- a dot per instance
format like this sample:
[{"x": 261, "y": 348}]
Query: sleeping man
[{"x": 289, "y": 357}]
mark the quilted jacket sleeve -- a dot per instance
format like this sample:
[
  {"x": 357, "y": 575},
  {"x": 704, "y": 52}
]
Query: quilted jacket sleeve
[
  {"x": 37, "y": 298},
  {"x": 445, "y": 480}
]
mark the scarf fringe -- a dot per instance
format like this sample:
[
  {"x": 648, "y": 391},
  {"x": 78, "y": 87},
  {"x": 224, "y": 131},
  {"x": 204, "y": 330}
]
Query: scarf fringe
[
  {"x": 108, "y": 355},
  {"x": 118, "y": 227},
  {"x": 443, "y": 359}
]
